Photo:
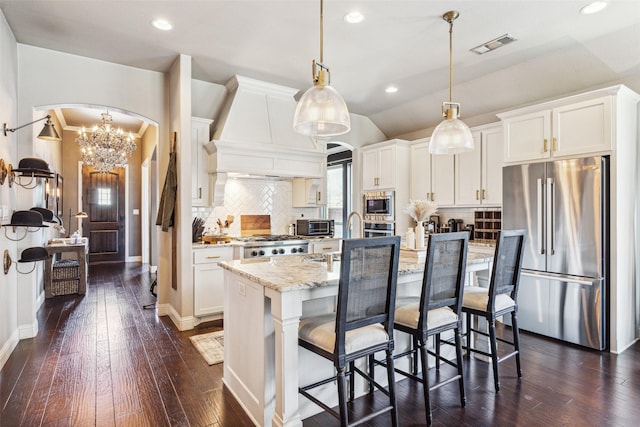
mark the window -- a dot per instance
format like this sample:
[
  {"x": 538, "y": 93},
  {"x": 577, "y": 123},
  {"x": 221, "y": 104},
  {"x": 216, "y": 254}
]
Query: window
[
  {"x": 104, "y": 196},
  {"x": 339, "y": 190}
]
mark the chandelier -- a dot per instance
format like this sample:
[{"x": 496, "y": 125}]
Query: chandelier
[{"x": 105, "y": 148}]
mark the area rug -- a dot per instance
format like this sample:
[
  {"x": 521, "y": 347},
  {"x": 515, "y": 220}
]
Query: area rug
[{"x": 210, "y": 346}]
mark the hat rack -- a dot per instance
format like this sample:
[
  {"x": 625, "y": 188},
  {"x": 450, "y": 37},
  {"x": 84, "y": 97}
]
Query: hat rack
[
  {"x": 40, "y": 256},
  {"x": 30, "y": 220},
  {"x": 33, "y": 168}
]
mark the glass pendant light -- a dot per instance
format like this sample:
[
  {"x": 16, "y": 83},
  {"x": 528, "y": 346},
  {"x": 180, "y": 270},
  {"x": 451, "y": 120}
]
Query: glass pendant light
[
  {"x": 452, "y": 135},
  {"x": 321, "y": 111}
]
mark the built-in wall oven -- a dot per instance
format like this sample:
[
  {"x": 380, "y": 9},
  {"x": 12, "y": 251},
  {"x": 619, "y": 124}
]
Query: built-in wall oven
[
  {"x": 379, "y": 229},
  {"x": 379, "y": 213}
]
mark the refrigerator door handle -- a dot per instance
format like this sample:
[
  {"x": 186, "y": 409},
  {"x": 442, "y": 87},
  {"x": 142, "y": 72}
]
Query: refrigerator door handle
[
  {"x": 540, "y": 217},
  {"x": 562, "y": 278},
  {"x": 551, "y": 214}
]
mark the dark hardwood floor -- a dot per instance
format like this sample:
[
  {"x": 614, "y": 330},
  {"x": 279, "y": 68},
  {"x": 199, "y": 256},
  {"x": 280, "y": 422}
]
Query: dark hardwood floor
[{"x": 103, "y": 360}]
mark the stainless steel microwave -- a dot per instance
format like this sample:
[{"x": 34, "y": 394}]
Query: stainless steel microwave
[
  {"x": 315, "y": 227},
  {"x": 379, "y": 206}
]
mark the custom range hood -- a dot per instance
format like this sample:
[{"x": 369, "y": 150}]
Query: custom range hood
[{"x": 254, "y": 134}]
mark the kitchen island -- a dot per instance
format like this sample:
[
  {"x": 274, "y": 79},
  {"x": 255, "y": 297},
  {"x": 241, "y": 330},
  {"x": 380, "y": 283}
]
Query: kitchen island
[{"x": 264, "y": 301}]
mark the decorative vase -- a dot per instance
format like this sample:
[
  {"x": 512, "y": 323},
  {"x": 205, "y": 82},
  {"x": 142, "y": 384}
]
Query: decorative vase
[{"x": 419, "y": 235}]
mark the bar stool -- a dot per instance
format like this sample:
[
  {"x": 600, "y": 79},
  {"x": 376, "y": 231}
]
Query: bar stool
[
  {"x": 499, "y": 299},
  {"x": 437, "y": 310},
  {"x": 362, "y": 324}
]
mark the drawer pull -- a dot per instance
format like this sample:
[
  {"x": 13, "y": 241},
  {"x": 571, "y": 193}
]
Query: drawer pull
[
  {"x": 477, "y": 194},
  {"x": 213, "y": 256},
  {"x": 545, "y": 146},
  {"x": 327, "y": 249}
]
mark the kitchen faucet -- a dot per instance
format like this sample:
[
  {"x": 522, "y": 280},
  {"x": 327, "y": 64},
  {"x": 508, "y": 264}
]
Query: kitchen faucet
[{"x": 351, "y": 215}]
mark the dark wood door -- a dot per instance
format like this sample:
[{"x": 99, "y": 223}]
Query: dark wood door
[{"x": 103, "y": 200}]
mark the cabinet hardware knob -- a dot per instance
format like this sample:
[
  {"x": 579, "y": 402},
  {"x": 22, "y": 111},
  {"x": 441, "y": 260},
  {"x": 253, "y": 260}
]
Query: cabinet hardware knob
[
  {"x": 484, "y": 196},
  {"x": 477, "y": 194},
  {"x": 432, "y": 197},
  {"x": 199, "y": 192},
  {"x": 555, "y": 144},
  {"x": 545, "y": 145}
]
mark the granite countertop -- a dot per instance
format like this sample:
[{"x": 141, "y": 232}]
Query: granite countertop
[
  {"x": 294, "y": 272},
  {"x": 202, "y": 245}
]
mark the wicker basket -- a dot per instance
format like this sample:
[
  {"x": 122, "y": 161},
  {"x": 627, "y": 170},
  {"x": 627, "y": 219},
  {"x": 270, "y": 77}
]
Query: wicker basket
[{"x": 65, "y": 278}]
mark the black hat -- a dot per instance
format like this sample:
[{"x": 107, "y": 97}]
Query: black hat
[
  {"x": 47, "y": 215},
  {"x": 36, "y": 253},
  {"x": 31, "y": 166},
  {"x": 26, "y": 219}
]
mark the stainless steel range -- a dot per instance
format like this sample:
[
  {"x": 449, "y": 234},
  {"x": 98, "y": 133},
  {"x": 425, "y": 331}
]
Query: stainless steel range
[{"x": 262, "y": 246}]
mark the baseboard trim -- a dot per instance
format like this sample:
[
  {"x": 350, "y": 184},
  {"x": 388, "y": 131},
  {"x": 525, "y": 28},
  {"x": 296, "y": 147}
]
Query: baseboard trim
[
  {"x": 182, "y": 323},
  {"x": 210, "y": 318},
  {"x": 28, "y": 331},
  {"x": 8, "y": 348},
  {"x": 134, "y": 258}
]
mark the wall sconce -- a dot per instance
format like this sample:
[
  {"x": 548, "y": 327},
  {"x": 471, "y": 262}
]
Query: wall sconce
[
  {"x": 34, "y": 254},
  {"x": 48, "y": 132}
]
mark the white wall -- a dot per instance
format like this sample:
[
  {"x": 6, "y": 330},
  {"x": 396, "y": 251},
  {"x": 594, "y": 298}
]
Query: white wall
[
  {"x": 207, "y": 99},
  {"x": 9, "y": 334}
]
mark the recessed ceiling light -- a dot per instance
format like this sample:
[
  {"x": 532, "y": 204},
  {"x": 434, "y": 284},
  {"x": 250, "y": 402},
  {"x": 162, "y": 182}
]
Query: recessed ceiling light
[
  {"x": 391, "y": 89},
  {"x": 593, "y": 7},
  {"x": 162, "y": 24},
  {"x": 354, "y": 17}
]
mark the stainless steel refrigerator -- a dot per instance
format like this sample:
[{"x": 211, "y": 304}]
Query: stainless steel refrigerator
[{"x": 564, "y": 207}]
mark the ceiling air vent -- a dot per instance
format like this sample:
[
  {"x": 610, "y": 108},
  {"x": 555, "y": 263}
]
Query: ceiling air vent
[{"x": 493, "y": 44}]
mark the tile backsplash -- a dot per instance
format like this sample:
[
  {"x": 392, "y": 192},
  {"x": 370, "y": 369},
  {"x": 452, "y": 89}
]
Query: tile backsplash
[{"x": 256, "y": 196}]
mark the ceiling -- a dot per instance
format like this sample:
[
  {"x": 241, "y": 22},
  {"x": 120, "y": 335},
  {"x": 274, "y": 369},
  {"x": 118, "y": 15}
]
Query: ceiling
[
  {"x": 78, "y": 116},
  {"x": 405, "y": 43}
]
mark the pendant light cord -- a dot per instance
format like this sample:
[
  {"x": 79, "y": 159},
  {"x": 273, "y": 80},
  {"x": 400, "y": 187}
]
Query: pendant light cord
[
  {"x": 321, "y": 31},
  {"x": 450, "y": 59}
]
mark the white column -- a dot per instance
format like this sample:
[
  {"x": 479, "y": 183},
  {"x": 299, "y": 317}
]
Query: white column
[{"x": 286, "y": 309}]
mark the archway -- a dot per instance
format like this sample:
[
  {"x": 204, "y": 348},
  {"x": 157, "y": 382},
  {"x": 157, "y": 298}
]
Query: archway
[{"x": 71, "y": 117}]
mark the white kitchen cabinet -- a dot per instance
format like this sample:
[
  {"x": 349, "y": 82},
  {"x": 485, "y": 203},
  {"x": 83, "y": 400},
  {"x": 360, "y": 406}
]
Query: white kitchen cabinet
[
  {"x": 420, "y": 182},
  {"x": 208, "y": 279},
  {"x": 442, "y": 187},
  {"x": 324, "y": 246},
  {"x": 431, "y": 176},
  {"x": 384, "y": 165},
  {"x": 309, "y": 192},
  {"x": 199, "y": 155},
  {"x": 560, "y": 129},
  {"x": 478, "y": 173}
]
